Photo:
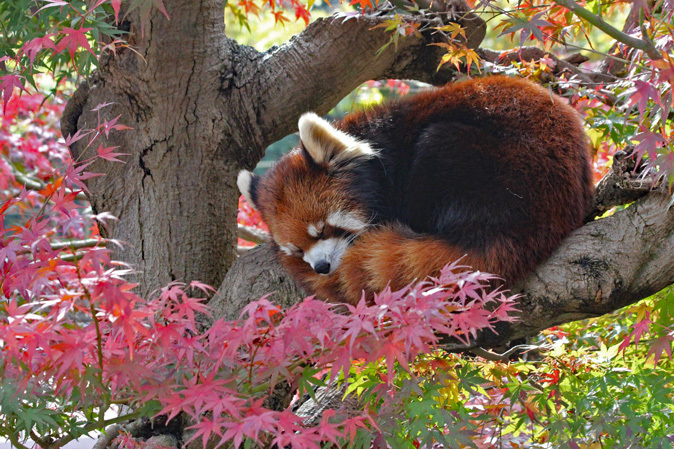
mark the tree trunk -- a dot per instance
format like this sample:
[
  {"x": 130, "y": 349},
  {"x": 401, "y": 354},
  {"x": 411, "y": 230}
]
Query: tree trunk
[{"x": 175, "y": 196}]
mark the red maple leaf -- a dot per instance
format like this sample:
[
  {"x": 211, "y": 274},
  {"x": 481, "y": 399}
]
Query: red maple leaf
[
  {"x": 662, "y": 344},
  {"x": 108, "y": 154},
  {"x": 642, "y": 92},
  {"x": 7, "y": 85},
  {"x": 33, "y": 46},
  {"x": 72, "y": 40}
]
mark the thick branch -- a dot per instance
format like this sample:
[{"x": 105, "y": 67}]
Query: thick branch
[
  {"x": 332, "y": 56},
  {"x": 605, "y": 265}
]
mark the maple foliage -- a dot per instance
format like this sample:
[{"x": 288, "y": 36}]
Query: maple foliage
[{"x": 75, "y": 334}]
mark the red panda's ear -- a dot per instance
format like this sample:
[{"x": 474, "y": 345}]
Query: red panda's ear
[
  {"x": 247, "y": 182},
  {"x": 327, "y": 145}
]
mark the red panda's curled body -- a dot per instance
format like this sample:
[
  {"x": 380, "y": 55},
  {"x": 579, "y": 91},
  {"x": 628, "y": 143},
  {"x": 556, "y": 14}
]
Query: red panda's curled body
[{"x": 493, "y": 169}]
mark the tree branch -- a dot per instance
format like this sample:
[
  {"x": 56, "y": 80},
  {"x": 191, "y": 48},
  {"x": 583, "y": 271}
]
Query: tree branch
[
  {"x": 603, "y": 266},
  {"x": 252, "y": 234},
  {"x": 644, "y": 44},
  {"x": 332, "y": 56}
]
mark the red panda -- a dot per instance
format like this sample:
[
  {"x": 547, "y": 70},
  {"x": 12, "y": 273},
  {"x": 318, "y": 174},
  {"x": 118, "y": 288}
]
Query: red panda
[{"x": 493, "y": 170}]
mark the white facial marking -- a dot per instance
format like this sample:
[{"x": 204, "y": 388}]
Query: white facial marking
[
  {"x": 347, "y": 220},
  {"x": 315, "y": 230},
  {"x": 329, "y": 250},
  {"x": 288, "y": 248}
]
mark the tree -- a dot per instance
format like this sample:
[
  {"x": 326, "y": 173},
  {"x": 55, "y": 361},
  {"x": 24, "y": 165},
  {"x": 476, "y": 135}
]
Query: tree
[
  {"x": 229, "y": 102},
  {"x": 201, "y": 107}
]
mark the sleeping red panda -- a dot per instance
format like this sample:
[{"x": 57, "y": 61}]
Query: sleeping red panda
[{"x": 495, "y": 170}]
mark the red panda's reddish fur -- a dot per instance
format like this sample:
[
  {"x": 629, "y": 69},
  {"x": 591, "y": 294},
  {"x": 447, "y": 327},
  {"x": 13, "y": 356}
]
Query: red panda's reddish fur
[{"x": 487, "y": 124}]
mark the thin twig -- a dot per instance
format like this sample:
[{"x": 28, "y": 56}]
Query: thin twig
[
  {"x": 504, "y": 357},
  {"x": 640, "y": 44},
  {"x": 252, "y": 234}
]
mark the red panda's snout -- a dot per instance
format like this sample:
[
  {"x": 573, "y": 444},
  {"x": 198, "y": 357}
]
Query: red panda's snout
[
  {"x": 325, "y": 256},
  {"x": 320, "y": 242}
]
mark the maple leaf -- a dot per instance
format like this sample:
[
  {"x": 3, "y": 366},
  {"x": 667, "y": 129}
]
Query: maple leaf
[
  {"x": 639, "y": 329},
  {"x": 53, "y": 3},
  {"x": 527, "y": 27},
  {"x": 201, "y": 286},
  {"x": 364, "y": 4},
  {"x": 392, "y": 352},
  {"x": 112, "y": 124},
  {"x": 359, "y": 321},
  {"x": 205, "y": 428},
  {"x": 648, "y": 144},
  {"x": 108, "y": 154},
  {"x": 328, "y": 431},
  {"x": 642, "y": 92},
  {"x": 187, "y": 306},
  {"x": 7, "y": 85},
  {"x": 33, "y": 46},
  {"x": 73, "y": 39},
  {"x": 279, "y": 17},
  {"x": 75, "y": 176},
  {"x": 8, "y": 252},
  {"x": 454, "y": 30},
  {"x": 79, "y": 134},
  {"x": 301, "y": 12},
  {"x": 52, "y": 187},
  {"x": 352, "y": 425},
  {"x": 660, "y": 345},
  {"x": 456, "y": 54},
  {"x": 665, "y": 68}
]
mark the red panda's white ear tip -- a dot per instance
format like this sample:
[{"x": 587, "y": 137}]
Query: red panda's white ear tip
[
  {"x": 327, "y": 144},
  {"x": 307, "y": 125},
  {"x": 244, "y": 182}
]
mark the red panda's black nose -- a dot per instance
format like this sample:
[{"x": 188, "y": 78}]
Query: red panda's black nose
[{"x": 322, "y": 267}]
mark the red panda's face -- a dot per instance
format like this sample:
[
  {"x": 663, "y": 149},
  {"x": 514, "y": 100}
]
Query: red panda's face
[
  {"x": 305, "y": 202},
  {"x": 318, "y": 235},
  {"x": 309, "y": 213}
]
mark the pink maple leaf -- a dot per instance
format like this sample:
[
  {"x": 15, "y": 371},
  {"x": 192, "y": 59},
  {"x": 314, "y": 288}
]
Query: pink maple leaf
[
  {"x": 33, "y": 46},
  {"x": 52, "y": 3},
  {"x": 72, "y": 40},
  {"x": 65, "y": 202},
  {"x": 7, "y": 85},
  {"x": 109, "y": 155},
  {"x": 8, "y": 252},
  {"x": 206, "y": 427},
  {"x": 76, "y": 176},
  {"x": 115, "y": 7},
  {"x": 643, "y": 91},
  {"x": 648, "y": 144},
  {"x": 112, "y": 124},
  {"x": 392, "y": 351},
  {"x": 187, "y": 306},
  {"x": 201, "y": 286}
]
